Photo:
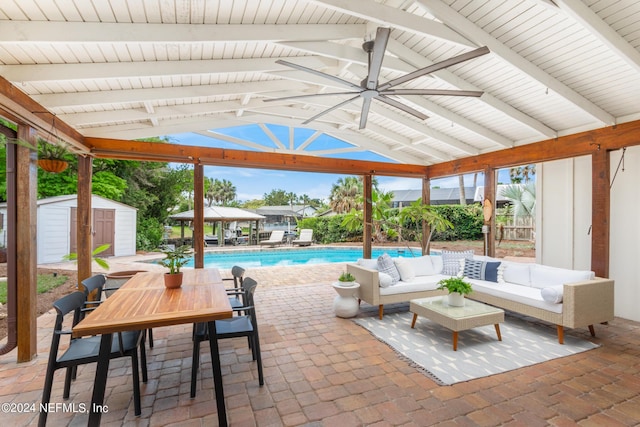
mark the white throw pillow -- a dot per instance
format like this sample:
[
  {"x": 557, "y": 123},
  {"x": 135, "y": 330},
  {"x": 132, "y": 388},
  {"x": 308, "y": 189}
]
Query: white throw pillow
[
  {"x": 405, "y": 269},
  {"x": 386, "y": 265},
  {"x": 384, "y": 280},
  {"x": 552, "y": 294},
  {"x": 517, "y": 273},
  {"x": 371, "y": 264}
]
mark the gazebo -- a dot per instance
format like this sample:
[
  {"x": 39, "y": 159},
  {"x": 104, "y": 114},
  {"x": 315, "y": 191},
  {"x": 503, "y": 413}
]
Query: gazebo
[{"x": 223, "y": 215}]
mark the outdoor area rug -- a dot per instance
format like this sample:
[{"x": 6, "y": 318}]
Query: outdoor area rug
[{"x": 430, "y": 346}]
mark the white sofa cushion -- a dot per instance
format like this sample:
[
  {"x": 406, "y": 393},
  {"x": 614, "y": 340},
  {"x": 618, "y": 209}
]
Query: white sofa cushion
[
  {"x": 515, "y": 272},
  {"x": 405, "y": 268},
  {"x": 386, "y": 265},
  {"x": 517, "y": 293},
  {"x": 543, "y": 276},
  {"x": 417, "y": 284},
  {"x": 552, "y": 294},
  {"x": 423, "y": 265},
  {"x": 438, "y": 264},
  {"x": 371, "y": 264}
]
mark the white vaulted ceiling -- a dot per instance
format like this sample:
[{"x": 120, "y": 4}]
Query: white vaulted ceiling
[{"x": 131, "y": 69}]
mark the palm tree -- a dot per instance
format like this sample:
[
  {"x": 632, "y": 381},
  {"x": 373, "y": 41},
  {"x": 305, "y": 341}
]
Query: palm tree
[
  {"x": 344, "y": 195},
  {"x": 523, "y": 200},
  {"x": 227, "y": 192},
  {"x": 209, "y": 193}
]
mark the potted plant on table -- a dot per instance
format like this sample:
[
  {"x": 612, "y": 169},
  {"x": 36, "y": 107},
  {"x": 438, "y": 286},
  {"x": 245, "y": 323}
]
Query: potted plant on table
[
  {"x": 457, "y": 288},
  {"x": 175, "y": 258},
  {"x": 346, "y": 279}
]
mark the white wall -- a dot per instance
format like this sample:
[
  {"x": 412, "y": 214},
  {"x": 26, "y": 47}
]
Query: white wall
[
  {"x": 624, "y": 260},
  {"x": 53, "y": 232},
  {"x": 563, "y": 221},
  {"x": 563, "y": 213}
]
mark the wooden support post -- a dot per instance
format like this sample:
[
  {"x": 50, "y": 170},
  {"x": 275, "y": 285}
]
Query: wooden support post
[
  {"x": 26, "y": 246},
  {"x": 198, "y": 215},
  {"x": 367, "y": 187},
  {"x": 84, "y": 224},
  {"x": 426, "y": 228},
  {"x": 490, "y": 211},
  {"x": 600, "y": 212}
]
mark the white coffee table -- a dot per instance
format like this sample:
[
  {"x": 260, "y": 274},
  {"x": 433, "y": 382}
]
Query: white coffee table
[{"x": 471, "y": 315}]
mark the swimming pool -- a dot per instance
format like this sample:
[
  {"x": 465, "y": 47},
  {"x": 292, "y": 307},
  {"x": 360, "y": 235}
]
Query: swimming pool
[{"x": 285, "y": 257}]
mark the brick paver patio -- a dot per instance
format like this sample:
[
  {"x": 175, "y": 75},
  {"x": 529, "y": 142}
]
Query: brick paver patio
[{"x": 323, "y": 370}]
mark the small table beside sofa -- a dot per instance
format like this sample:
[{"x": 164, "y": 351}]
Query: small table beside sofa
[{"x": 564, "y": 297}]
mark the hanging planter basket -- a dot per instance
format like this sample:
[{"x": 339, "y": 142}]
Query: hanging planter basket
[{"x": 52, "y": 165}]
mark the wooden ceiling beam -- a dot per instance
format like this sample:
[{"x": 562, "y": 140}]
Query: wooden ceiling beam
[
  {"x": 18, "y": 107},
  {"x": 156, "y": 151},
  {"x": 579, "y": 144}
]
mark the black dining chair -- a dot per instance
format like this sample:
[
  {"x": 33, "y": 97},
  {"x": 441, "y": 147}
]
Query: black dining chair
[
  {"x": 82, "y": 351},
  {"x": 237, "y": 292},
  {"x": 96, "y": 284},
  {"x": 245, "y": 325}
]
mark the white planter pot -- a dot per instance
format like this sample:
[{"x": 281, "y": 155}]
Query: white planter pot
[
  {"x": 347, "y": 284},
  {"x": 456, "y": 300}
]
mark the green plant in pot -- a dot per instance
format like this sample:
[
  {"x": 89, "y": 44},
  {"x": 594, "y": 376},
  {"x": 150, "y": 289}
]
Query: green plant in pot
[
  {"x": 174, "y": 259},
  {"x": 51, "y": 157},
  {"x": 346, "y": 279},
  {"x": 457, "y": 288}
]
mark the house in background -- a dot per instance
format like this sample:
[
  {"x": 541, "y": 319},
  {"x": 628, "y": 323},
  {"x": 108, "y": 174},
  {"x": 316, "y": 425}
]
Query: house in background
[
  {"x": 284, "y": 217},
  {"x": 113, "y": 223},
  {"x": 439, "y": 196}
]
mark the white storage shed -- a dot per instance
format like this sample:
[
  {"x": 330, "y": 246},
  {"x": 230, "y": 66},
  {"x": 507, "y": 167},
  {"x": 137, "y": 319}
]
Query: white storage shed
[{"x": 113, "y": 223}]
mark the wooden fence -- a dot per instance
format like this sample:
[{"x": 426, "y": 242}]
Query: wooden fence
[{"x": 517, "y": 228}]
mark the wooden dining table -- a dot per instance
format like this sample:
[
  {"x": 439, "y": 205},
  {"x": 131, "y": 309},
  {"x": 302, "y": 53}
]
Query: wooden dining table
[{"x": 143, "y": 303}]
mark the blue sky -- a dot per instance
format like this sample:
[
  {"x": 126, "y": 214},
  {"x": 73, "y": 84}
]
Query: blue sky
[{"x": 254, "y": 183}]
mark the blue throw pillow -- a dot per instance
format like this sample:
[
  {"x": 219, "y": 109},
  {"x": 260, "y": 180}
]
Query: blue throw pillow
[{"x": 481, "y": 270}]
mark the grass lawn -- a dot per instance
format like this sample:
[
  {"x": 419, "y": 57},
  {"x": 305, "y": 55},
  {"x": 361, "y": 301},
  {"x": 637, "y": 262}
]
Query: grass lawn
[{"x": 46, "y": 282}]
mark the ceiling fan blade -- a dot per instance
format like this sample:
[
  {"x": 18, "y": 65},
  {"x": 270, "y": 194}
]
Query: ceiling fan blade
[
  {"x": 318, "y": 73},
  {"x": 284, "y": 98},
  {"x": 328, "y": 110},
  {"x": 435, "y": 67},
  {"x": 403, "y": 107},
  {"x": 366, "y": 104},
  {"x": 376, "y": 56},
  {"x": 475, "y": 93}
]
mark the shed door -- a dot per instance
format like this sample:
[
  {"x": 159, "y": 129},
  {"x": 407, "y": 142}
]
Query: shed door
[
  {"x": 104, "y": 229},
  {"x": 104, "y": 221}
]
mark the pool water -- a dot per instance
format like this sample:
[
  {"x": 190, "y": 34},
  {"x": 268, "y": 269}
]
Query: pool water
[{"x": 285, "y": 257}]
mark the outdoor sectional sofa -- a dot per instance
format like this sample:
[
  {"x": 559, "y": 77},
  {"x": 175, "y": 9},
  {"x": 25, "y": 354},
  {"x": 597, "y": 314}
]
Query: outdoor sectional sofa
[{"x": 564, "y": 297}]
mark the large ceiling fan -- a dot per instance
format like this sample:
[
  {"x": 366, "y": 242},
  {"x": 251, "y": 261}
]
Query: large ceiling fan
[{"x": 369, "y": 89}]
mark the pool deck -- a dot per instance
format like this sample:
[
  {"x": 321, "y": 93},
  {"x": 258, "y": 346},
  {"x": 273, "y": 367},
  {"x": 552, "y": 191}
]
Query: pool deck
[{"x": 321, "y": 370}]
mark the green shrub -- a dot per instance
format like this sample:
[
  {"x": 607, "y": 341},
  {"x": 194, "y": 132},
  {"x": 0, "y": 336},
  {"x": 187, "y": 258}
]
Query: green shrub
[
  {"x": 149, "y": 234},
  {"x": 467, "y": 222},
  {"x": 329, "y": 229}
]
